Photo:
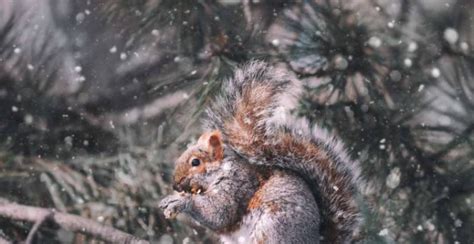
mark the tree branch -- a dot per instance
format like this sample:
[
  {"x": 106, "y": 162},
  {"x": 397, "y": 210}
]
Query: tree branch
[
  {"x": 4, "y": 241},
  {"x": 69, "y": 222},
  {"x": 36, "y": 226}
]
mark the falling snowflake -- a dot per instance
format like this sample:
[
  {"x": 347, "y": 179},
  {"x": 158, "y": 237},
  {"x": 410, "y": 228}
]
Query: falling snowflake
[
  {"x": 451, "y": 35},
  {"x": 435, "y": 72}
]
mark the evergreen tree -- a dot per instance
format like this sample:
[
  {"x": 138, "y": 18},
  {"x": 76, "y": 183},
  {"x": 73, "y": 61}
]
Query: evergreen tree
[{"x": 98, "y": 97}]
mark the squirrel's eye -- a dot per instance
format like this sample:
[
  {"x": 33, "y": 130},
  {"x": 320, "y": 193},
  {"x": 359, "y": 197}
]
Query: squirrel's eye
[{"x": 195, "y": 162}]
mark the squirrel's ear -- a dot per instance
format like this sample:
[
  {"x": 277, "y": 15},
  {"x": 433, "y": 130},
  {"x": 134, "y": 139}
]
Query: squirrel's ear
[
  {"x": 215, "y": 146},
  {"x": 213, "y": 141}
]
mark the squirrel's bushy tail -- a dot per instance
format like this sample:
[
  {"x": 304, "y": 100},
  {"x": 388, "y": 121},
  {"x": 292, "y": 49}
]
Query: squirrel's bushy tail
[{"x": 248, "y": 113}]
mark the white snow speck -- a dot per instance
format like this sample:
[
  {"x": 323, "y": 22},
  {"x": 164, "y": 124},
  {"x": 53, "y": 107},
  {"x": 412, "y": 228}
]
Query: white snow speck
[
  {"x": 17, "y": 50},
  {"x": 112, "y": 124},
  {"x": 176, "y": 59},
  {"x": 275, "y": 42},
  {"x": 375, "y": 42},
  {"x": 155, "y": 32},
  {"x": 421, "y": 87},
  {"x": 81, "y": 78},
  {"x": 435, "y": 72},
  {"x": 412, "y": 47},
  {"x": 430, "y": 226},
  {"x": 113, "y": 49},
  {"x": 226, "y": 166},
  {"x": 14, "y": 109},
  {"x": 100, "y": 218},
  {"x": 247, "y": 121},
  {"x": 28, "y": 119},
  {"x": 451, "y": 35},
  {"x": 340, "y": 62},
  {"x": 464, "y": 46},
  {"x": 458, "y": 223},
  {"x": 123, "y": 56},
  {"x": 391, "y": 24},
  {"x": 186, "y": 240},
  {"x": 68, "y": 140},
  {"x": 80, "y": 17},
  {"x": 393, "y": 179},
  {"x": 407, "y": 62},
  {"x": 30, "y": 67},
  {"x": 395, "y": 75},
  {"x": 78, "y": 69},
  {"x": 383, "y": 232},
  {"x": 166, "y": 239}
]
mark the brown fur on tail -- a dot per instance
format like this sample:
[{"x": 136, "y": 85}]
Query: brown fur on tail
[{"x": 248, "y": 115}]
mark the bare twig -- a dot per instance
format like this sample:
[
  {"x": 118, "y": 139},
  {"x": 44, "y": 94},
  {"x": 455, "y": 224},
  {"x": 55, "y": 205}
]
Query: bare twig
[
  {"x": 36, "y": 226},
  {"x": 4, "y": 241},
  {"x": 246, "y": 5},
  {"x": 69, "y": 222}
]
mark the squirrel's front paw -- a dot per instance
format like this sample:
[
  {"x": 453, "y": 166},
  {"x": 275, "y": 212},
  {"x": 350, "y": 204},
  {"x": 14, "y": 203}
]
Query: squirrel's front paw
[{"x": 174, "y": 204}]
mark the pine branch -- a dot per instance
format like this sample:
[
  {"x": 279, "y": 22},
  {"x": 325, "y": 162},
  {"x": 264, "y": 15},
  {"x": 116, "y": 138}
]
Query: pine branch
[{"x": 455, "y": 142}]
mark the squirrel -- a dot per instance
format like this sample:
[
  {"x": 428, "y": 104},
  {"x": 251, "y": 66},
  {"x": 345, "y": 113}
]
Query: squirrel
[{"x": 257, "y": 175}]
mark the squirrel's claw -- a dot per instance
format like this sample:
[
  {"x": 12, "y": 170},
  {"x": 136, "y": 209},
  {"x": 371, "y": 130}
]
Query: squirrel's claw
[{"x": 172, "y": 205}]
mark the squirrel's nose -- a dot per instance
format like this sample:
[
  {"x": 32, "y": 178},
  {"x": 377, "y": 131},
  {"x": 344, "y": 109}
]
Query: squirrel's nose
[{"x": 178, "y": 184}]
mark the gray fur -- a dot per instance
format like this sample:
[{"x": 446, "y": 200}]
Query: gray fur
[
  {"x": 294, "y": 217},
  {"x": 227, "y": 189},
  {"x": 313, "y": 182},
  {"x": 288, "y": 212},
  {"x": 341, "y": 209}
]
